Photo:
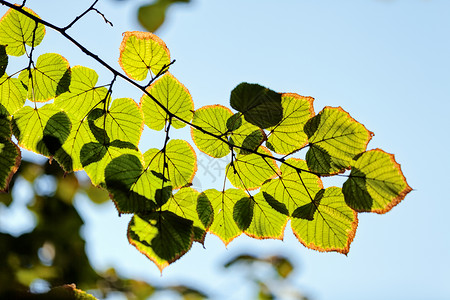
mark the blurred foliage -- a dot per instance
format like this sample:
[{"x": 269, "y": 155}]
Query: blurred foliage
[
  {"x": 153, "y": 15},
  {"x": 270, "y": 274},
  {"x": 53, "y": 253}
]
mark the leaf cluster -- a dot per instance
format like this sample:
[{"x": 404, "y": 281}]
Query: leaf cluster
[{"x": 78, "y": 124}]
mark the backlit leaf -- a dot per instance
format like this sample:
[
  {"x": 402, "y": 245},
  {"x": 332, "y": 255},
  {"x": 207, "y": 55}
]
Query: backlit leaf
[
  {"x": 266, "y": 222},
  {"x": 133, "y": 187},
  {"x": 212, "y": 118},
  {"x": 3, "y": 60},
  {"x": 184, "y": 204},
  {"x": 161, "y": 236},
  {"x": 376, "y": 183},
  {"x": 50, "y": 78},
  {"x": 292, "y": 189},
  {"x": 251, "y": 171},
  {"x": 9, "y": 162},
  {"x": 42, "y": 130},
  {"x": 335, "y": 138},
  {"x": 327, "y": 223},
  {"x": 141, "y": 52},
  {"x": 82, "y": 96},
  {"x": 245, "y": 135},
  {"x": 12, "y": 94},
  {"x": 18, "y": 30},
  {"x": 180, "y": 160},
  {"x": 288, "y": 135},
  {"x": 260, "y": 106},
  {"x": 223, "y": 224},
  {"x": 123, "y": 121},
  {"x": 174, "y": 96}
]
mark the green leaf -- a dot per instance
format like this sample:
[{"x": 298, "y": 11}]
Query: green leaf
[
  {"x": 82, "y": 96},
  {"x": 141, "y": 52},
  {"x": 49, "y": 79},
  {"x": 223, "y": 224},
  {"x": 245, "y": 135},
  {"x": 12, "y": 94},
  {"x": 327, "y": 223},
  {"x": 174, "y": 96},
  {"x": 212, "y": 118},
  {"x": 184, "y": 204},
  {"x": 18, "y": 30},
  {"x": 376, "y": 183},
  {"x": 152, "y": 16},
  {"x": 9, "y": 162},
  {"x": 335, "y": 138},
  {"x": 123, "y": 121},
  {"x": 293, "y": 188},
  {"x": 180, "y": 160},
  {"x": 288, "y": 135},
  {"x": 42, "y": 130},
  {"x": 3, "y": 60},
  {"x": 161, "y": 236},
  {"x": 135, "y": 189},
  {"x": 260, "y": 106},
  {"x": 266, "y": 222},
  {"x": 250, "y": 171}
]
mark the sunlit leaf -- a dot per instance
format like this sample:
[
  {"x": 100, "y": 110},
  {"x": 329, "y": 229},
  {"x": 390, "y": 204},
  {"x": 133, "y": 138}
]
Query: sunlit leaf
[
  {"x": 252, "y": 170},
  {"x": 134, "y": 188},
  {"x": 293, "y": 188},
  {"x": 42, "y": 130},
  {"x": 82, "y": 96},
  {"x": 123, "y": 121},
  {"x": 184, "y": 204},
  {"x": 174, "y": 96},
  {"x": 260, "y": 106},
  {"x": 141, "y": 52},
  {"x": 18, "y": 30},
  {"x": 100, "y": 157},
  {"x": 327, "y": 223},
  {"x": 212, "y": 118},
  {"x": 376, "y": 183},
  {"x": 335, "y": 138},
  {"x": 245, "y": 135},
  {"x": 288, "y": 135},
  {"x": 266, "y": 222},
  {"x": 180, "y": 161},
  {"x": 50, "y": 77},
  {"x": 223, "y": 224},
  {"x": 9, "y": 162},
  {"x": 12, "y": 94},
  {"x": 161, "y": 236}
]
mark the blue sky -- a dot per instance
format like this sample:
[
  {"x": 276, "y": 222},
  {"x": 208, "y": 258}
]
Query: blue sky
[{"x": 386, "y": 62}]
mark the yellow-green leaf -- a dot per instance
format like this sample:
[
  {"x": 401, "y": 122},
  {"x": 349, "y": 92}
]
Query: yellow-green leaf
[
  {"x": 184, "y": 204},
  {"x": 376, "y": 183},
  {"x": 12, "y": 94},
  {"x": 250, "y": 171},
  {"x": 49, "y": 79},
  {"x": 161, "y": 236},
  {"x": 288, "y": 136},
  {"x": 327, "y": 223},
  {"x": 223, "y": 224},
  {"x": 82, "y": 96},
  {"x": 335, "y": 138},
  {"x": 18, "y": 30},
  {"x": 174, "y": 96},
  {"x": 42, "y": 130},
  {"x": 212, "y": 118},
  {"x": 141, "y": 52},
  {"x": 180, "y": 160}
]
